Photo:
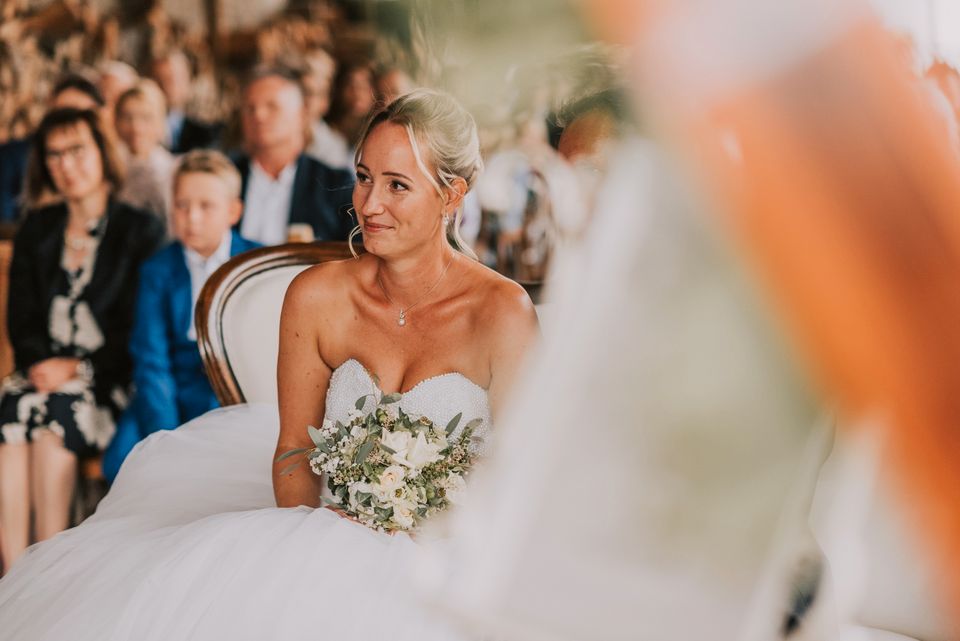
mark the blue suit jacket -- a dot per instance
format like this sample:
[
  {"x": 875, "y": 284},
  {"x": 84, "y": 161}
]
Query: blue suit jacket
[{"x": 171, "y": 387}]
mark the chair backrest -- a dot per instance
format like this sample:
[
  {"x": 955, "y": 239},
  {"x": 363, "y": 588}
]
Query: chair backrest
[{"x": 238, "y": 317}]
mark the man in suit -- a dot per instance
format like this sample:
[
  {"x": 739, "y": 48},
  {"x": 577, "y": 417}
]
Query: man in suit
[
  {"x": 282, "y": 186},
  {"x": 171, "y": 386},
  {"x": 172, "y": 72}
]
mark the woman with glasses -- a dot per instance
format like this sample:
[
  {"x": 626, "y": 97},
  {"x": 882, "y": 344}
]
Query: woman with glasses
[{"x": 72, "y": 285}]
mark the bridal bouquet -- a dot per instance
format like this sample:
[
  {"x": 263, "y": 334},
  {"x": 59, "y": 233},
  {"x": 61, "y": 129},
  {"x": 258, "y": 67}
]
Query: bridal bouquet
[{"x": 387, "y": 469}]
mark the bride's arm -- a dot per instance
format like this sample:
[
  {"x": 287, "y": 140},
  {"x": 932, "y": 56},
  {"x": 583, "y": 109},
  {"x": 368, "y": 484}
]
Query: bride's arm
[
  {"x": 302, "y": 380},
  {"x": 513, "y": 331}
]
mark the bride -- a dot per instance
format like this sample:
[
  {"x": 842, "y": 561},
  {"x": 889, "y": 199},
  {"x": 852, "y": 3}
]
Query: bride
[{"x": 198, "y": 539}]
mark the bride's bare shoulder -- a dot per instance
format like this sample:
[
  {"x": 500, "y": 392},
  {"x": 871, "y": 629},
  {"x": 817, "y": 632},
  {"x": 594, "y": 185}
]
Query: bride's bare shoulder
[
  {"x": 502, "y": 302},
  {"x": 326, "y": 282}
]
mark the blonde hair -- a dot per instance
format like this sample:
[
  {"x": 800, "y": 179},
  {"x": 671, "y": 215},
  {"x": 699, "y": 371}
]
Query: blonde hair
[
  {"x": 208, "y": 161},
  {"x": 439, "y": 124}
]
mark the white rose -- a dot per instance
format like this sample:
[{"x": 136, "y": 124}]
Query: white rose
[
  {"x": 403, "y": 516},
  {"x": 392, "y": 478},
  {"x": 455, "y": 487},
  {"x": 422, "y": 453},
  {"x": 397, "y": 441}
]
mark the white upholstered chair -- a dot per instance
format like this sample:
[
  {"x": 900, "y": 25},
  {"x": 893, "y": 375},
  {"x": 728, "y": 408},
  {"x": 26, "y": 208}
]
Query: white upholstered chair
[{"x": 238, "y": 317}]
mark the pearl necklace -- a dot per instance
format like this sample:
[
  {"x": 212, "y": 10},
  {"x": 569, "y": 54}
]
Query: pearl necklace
[{"x": 402, "y": 318}]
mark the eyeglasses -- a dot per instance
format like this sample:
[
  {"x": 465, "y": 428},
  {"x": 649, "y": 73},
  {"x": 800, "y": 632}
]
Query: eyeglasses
[{"x": 73, "y": 152}]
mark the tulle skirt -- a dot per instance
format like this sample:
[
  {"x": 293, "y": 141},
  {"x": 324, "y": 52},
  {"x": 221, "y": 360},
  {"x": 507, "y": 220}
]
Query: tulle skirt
[{"x": 188, "y": 545}]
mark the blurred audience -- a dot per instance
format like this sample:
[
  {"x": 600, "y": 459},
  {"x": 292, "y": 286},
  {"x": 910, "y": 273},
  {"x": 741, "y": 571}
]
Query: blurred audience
[
  {"x": 115, "y": 78},
  {"x": 140, "y": 124},
  {"x": 284, "y": 188},
  {"x": 391, "y": 83},
  {"x": 172, "y": 72},
  {"x": 326, "y": 145},
  {"x": 171, "y": 386},
  {"x": 72, "y": 282},
  {"x": 353, "y": 99},
  {"x": 72, "y": 90}
]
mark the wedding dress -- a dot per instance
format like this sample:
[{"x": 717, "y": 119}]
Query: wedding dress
[{"x": 189, "y": 544}]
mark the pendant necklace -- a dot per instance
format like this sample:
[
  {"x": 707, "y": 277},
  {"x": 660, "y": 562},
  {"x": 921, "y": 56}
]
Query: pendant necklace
[{"x": 402, "y": 318}]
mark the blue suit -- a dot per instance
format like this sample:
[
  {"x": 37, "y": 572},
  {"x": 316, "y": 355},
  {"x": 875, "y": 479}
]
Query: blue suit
[{"x": 171, "y": 387}]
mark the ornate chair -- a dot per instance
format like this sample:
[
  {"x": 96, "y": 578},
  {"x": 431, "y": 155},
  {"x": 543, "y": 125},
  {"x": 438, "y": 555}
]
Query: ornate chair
[{"x": 239, "y": 307}]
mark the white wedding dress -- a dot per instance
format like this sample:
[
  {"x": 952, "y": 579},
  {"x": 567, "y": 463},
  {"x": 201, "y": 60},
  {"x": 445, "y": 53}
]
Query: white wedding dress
[{"x": 189, "y": 545}]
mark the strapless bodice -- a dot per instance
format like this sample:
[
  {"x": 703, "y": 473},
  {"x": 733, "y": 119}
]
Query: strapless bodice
[{"x": 438, "y": 398}]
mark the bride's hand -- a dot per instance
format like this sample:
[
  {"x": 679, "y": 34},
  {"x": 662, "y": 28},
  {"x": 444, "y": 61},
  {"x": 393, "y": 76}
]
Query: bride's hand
[{"x": 341, "y": 512}]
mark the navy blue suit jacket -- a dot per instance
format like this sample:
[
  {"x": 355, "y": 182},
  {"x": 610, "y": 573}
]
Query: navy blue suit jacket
[
  {"x": 322, "y": 197},
  {"x": 171, "y": 387}
]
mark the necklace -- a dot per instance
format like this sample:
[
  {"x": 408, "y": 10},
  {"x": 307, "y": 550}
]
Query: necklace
[
  {"x": 402, "y": 318},
  {"x": 77, "y": 243}
]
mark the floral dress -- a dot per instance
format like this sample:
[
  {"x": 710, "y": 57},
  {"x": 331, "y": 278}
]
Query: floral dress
[{"x": 71, "y": 411}]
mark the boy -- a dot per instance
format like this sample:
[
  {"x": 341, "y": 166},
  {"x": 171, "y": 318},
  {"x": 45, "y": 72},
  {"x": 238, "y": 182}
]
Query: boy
[{"x": 170, "y": 385}]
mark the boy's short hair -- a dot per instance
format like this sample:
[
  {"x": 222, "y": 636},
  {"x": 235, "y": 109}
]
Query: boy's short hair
[{"x": 208, "y": 161}]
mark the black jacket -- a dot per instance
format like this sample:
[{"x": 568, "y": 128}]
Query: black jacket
[
  {"x": 129, "y": 237},
  {"x": 322, "y": 197},
  {"x": 197, "y": 135}
]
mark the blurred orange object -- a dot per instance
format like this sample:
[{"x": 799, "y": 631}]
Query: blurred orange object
[{"x": 845, "y": 193}]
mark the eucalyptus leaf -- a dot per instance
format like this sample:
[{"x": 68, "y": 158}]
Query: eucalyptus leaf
[
  {"x": 287, "y": 455},
  {"x": 360, "y": 402},
  {"x": 389, "y": 399},
  {"x": 363, "y": 451},
  {"x": 387, "y": 449},
  {"x": 315, "y": 435},
  {"x": 474, "y": 424},
  {"x": 289, "y": 468},
  {"x": 452, "y": 425}
]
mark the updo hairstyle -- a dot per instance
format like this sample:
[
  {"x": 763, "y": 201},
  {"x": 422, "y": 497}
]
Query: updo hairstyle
[{"x": 444, "y": 139}]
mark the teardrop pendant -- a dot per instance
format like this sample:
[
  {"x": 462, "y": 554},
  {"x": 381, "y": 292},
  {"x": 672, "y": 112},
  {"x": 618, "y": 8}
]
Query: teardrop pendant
[{"x": 402, "y": 320}]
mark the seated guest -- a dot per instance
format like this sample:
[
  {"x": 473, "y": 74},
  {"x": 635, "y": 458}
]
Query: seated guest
[
  {"x": 353, "y": 99},
  {"x": 282, "y": 186},
  {"x": 172, "y": 73},
  {"x": 392, "y": 82},
  {"x": 73, "y": 279},
  {"x": 140, "y": 125},
  {"x": 115, "y": 78},
  {"x": 72, "y": 90},
  {"x": 171, "y": 387},
  {"x": 326, "y": 145}
]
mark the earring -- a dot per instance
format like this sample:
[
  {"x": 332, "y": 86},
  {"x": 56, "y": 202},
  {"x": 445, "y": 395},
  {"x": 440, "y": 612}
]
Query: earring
[{"x": 446, "y": 220}]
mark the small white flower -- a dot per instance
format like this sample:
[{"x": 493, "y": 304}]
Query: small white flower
[
  {"x": 354, "y": 415},
  {"x": 330, "y": 466},
  {"x": 328, "y": 428}
]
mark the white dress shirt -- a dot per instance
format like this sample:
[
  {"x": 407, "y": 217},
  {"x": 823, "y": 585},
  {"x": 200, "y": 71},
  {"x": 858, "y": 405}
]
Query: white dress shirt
[
  {"x": 266, "y": 207},
  {"x": 200, "y": 270}
]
